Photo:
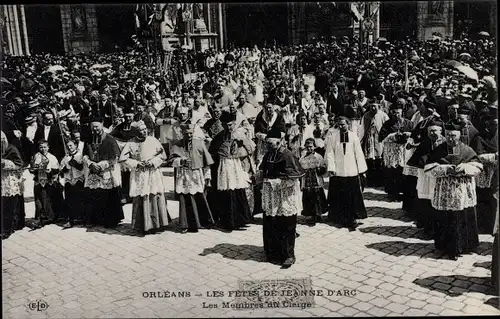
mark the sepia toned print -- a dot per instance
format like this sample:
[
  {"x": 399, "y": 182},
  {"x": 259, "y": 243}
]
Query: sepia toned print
[{"x": 249, "y": 159}]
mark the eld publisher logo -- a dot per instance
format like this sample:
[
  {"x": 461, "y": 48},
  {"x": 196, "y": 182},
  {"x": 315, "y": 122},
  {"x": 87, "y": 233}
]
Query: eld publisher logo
[{"x": 38, "y": 305}]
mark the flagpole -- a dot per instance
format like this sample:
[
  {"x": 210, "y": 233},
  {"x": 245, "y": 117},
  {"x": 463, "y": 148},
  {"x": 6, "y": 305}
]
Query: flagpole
[
  {"x": 407, "y": 88},
  {"x": 147, "y": 40}
]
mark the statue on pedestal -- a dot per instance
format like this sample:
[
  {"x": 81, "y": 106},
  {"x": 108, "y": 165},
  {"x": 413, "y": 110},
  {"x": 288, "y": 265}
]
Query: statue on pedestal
[
  {"x": 198, "y": 18},
  {"x": 198, "y": 11},
  {"x": 78, "y": 19},
  {"x": 436, "y": 8}
]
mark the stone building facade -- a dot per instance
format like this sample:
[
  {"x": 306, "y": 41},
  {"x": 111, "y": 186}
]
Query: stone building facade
[{"x": 87, "y": 28}]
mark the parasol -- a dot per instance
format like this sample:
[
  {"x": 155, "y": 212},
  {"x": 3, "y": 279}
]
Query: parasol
[
  {"x": 468, "y": 71},
  {"x": 484, "y": 34},
  {"x": 452, "y": 63},
  {"x": 465, "y": 54},
  {"x": 101, "y": 66},
  {"x": 55, "y": 68}
]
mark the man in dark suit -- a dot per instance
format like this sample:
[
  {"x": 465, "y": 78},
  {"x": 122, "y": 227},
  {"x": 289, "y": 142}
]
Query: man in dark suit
[
  {"x": 334, "y": 101},
  {"x": 142, "y": 115},
  {"x": 50, "y": 132}
]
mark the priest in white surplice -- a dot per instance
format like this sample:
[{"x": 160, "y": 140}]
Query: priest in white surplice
[
  {"x": 346, "y": 164},
  {"x": 143, "y": 155}
]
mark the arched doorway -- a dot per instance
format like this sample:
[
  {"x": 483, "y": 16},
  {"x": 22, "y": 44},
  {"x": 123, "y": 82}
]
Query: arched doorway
[
  {"x": 44, "y": 29},
  {"x": 256, "y": 24},
  {"x": 115, "y": 25}
]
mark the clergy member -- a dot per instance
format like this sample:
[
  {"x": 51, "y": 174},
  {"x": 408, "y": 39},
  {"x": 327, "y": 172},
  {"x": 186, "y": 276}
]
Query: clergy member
[
  {"x": 454, "y": 166},
  {"x": 143, "y": 155},
  {"x": 192, "y": 161},
  {"x": 281, "y": 200},
  {"x": 102, "y": 178},
  {"x": 346, "y": 164}
]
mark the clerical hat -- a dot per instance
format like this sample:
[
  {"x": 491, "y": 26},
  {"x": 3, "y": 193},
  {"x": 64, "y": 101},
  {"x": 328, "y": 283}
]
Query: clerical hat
[
  {"x": 452, "y": 126},
  {"x": 436, "y": 122},
  {"x": 275, "y": 133},
  {"x": 97, "y": 118}
]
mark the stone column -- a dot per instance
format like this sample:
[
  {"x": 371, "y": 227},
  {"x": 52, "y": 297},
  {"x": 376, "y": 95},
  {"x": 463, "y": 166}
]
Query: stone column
[
  {"x": 8, "y": 25},
  {"x": 376, "y": 20},
  {"x": 434, "y": 16},
  {"x": 25, "y": 31},
  {"x": 17, "y": 34},
  {"x": 221, "y": 26}
]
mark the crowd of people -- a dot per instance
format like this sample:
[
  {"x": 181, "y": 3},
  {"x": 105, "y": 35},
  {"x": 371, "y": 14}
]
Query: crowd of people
[{"x": 249, "y": 131}]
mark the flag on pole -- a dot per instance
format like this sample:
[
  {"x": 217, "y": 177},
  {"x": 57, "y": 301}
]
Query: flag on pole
[
  {"x": 137, "y": 22},
  {"x": 407, "y": 84},
  {"x": 136, "y": 13},
  {"x": 355, "y": 10},
  {"x": 375, "y": 6}
]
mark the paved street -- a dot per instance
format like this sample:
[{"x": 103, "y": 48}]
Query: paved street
[{"x": 389, "y": 267}]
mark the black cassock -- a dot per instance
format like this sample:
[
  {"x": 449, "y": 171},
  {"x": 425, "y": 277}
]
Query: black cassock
[
  {"x": 279, "y": 232},
  {"x": 104, "y": 206}
]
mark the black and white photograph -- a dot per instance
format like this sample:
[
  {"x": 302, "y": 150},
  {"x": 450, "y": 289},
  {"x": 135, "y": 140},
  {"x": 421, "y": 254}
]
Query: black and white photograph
[{"x": 232, "y": 159}]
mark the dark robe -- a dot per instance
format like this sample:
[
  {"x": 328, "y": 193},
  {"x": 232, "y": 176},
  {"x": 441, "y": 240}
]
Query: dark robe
[
  {"x": 334, "y": 105},
  {"x": 455, "y": 232},
  {"x": 279, "y": 232},
  {"x": 194, "y": 210},
  {"x": 261, "y": 126},
  {"x": 104, "y": 205},
  {"x": 74, "y": 196},
  {"x": 421, "y": 208},
  {"x": 13, "y": 211},
  {"x": 418, "y": 134},
  {"x": 485, "y": 143},
  {"x": 123, "y": 132},
  {"x": 213, "y": 127},
  {"x": 230, "y": 207},
  {"x": 468, "y": 134},
  {"x": 394, "y": 182}
]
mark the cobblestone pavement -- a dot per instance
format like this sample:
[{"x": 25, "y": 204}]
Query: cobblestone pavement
[{"x": 97, "y": 273}]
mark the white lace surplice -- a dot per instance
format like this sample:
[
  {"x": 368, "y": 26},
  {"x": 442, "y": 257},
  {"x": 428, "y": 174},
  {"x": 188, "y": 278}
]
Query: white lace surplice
[
  {"x": 454, "y": 192},
  {"x": 281, "y": 197},
  {"x": 408, "y": 169},
  {"x": 231, "y": 175},
  {"x": 53, "y": 164},
  {"x": 144, "y": 181},
  {"x": 12, "y": 179},
  {"x": 190, "y": 181},
  {"x": 425, "y": 185},
  {"x": 74, "y": 175},
  {"x": 394, "y": 154},
  {"x": 484, "y": 179}
]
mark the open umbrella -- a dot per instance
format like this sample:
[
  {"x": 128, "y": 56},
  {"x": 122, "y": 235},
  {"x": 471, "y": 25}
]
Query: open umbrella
[
  {"x": 484, "y": 34},
  {"x": 382, "y": 39},
  {"x": 465, "y": 54},
  {"x": 55, "y": 68},
  {"x": 101, "y": 66},
  {"x": 452, "y": 63},
  {"x": 468, "y": 71}
]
